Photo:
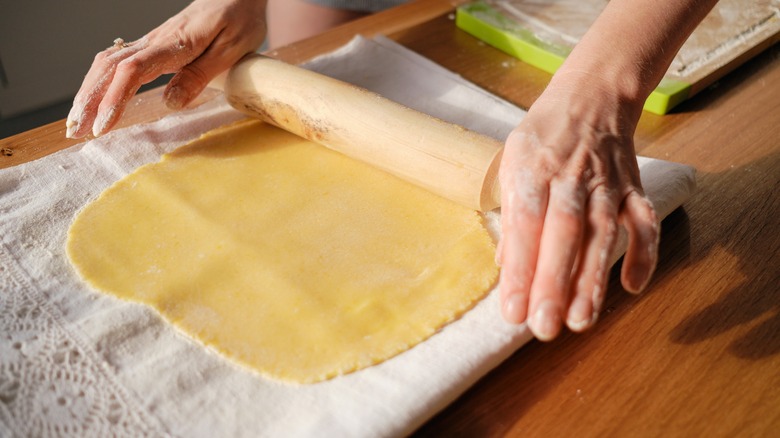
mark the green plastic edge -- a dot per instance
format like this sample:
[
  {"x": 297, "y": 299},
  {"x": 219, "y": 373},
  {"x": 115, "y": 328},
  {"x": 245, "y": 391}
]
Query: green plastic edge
[{"x": 482, "y": 21}]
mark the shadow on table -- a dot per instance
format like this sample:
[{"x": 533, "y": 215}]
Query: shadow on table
[
  {"x": 752, "y": 239},
  {"x": 707, "y": 229},
  {"x": 690, "y": 238}
]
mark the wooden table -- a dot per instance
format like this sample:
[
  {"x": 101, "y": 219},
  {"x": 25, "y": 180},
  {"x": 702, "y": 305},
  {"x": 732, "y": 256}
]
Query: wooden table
[{"x": 699, "y": 353}]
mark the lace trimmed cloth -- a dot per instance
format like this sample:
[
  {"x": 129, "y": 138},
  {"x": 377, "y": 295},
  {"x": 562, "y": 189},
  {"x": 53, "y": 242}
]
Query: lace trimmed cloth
[
  {"x": 52, "y": 383},
  {"x": 74, "y": 362}
]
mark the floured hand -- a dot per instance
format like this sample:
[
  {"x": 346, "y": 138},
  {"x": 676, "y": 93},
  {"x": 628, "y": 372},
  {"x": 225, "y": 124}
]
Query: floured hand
[
  {"x": 569, "y": 174},
  {"x": 568, "y": 177},
  {"x": 205, "y": 38}
]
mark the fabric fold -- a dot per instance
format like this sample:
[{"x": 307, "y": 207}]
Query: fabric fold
[{"x": 128, "y": 372}]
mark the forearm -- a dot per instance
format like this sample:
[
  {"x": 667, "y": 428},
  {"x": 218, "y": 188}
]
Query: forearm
[
  {"x": 569, "y": 174},
  {"x": 628, "y": 49}
]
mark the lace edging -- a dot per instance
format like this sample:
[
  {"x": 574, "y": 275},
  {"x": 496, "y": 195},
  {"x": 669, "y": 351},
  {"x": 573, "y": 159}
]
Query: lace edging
[{"x": 51, "y": 382}]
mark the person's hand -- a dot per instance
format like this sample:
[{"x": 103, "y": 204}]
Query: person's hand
[
  {"x": 569, "y": 177},
  {"x": 198, "y": 43}
]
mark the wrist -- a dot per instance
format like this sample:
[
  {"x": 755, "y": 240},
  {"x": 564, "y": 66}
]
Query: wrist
[
  {"x": 594, "y": 100},
  {"x": 603, "y": 84}
]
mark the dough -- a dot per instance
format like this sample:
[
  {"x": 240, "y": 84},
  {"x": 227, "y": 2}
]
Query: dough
[{"x": 289, "y": 258}]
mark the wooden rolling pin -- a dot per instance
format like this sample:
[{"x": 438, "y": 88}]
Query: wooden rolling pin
[{"x": 444, "y": 158}]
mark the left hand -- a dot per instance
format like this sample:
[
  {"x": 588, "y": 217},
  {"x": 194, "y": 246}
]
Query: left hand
[{"x": 569, "y": 176}]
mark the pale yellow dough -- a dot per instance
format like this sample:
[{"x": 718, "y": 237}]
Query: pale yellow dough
[{"x": 282, "y": 255}]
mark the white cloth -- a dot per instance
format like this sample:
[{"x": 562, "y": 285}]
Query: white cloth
[{"x": 76, "y": 362}]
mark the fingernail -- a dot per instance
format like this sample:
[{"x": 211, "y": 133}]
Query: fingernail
[
  {"x": 546, "y": 321},
  {"x": 580, "y": 315},
  {"x": 176, "y": 97},
  {"x": 638, "y": 278},
  {"x": 71, "y": 128},
  {"x": 73, "y": 123},
  {"x": 102, "y": 122},
  {"x": 514, "y": 309}
]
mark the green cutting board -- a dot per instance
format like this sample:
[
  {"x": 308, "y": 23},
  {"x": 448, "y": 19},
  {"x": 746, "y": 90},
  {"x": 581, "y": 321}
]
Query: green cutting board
[{"x": 725, "y": 39}]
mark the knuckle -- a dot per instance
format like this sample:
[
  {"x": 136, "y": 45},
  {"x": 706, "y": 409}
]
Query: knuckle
[
  {"x": 104, "y": 60},
  {"x": 609, "y": 229},
  {"x": 568, "y": 195},
  {"x": 643, "y": 206},
  {"x": 645, "y": 202},
  {"x": 630, "y": 188},
  {"x": 131, "y": 66},
  {"x": 515, "y": 137},
  {"x": 194, "y": 74},
  {"x": 518, "y": 282},
  {"x": 525, "y": 197},
  {"x": 550, "y": 160},
  {"x": 101, "y": 57},
  {"x": 181, "y": 44},
  {"x": 603, "y": 199},
  {"x": 525, "y": 143},
  {"x": 600, "y": 218}
]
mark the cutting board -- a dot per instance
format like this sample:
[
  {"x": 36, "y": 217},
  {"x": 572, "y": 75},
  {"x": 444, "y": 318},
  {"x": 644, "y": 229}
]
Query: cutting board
[{"x": 544, "y": 32}]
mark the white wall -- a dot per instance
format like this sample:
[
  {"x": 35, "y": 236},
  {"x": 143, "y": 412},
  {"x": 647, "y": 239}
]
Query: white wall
[{"x": 47, "y": 46}]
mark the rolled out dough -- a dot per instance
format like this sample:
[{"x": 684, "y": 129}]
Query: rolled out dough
[{"x": 282, "y": 255}]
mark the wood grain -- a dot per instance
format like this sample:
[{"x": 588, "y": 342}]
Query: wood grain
[
  {"x": 47, "y": 139},
  {"x": 699, "y": 353}
]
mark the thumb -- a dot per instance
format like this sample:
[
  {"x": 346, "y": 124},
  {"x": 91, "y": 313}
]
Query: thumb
[{"x": 188, "y": 82}]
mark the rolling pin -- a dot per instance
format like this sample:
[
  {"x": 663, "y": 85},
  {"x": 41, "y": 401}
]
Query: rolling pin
[{"x": 442, "y": 157}]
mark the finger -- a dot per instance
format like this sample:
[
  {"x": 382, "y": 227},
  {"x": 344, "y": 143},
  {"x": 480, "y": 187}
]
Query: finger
[
  {"x": 128, "y": 77},
  {"x": 96, "y": 83},
  {"x": 639, "y": 218},
  {"x": 190, "y": 81},
  {"x": 524, "y": 200},
  {"x": 560, "y": 243},
  {"x": 599, "y": 242},
  {"x": 132, "y": 72}
]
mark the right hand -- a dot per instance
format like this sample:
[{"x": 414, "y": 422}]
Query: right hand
[{"x": 198, "y": 43}]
